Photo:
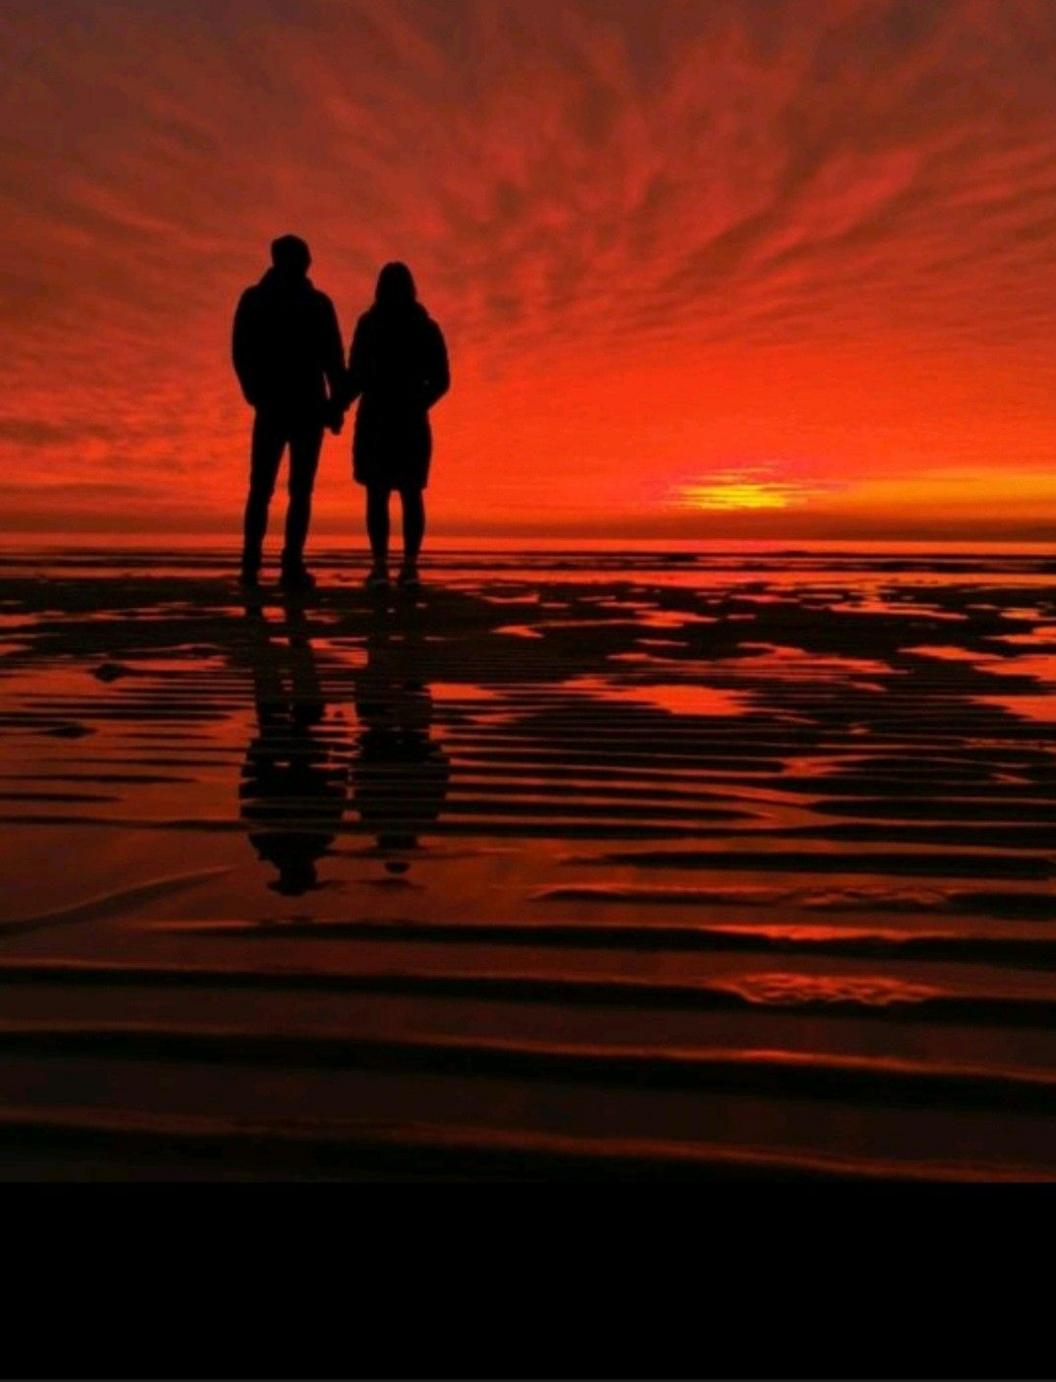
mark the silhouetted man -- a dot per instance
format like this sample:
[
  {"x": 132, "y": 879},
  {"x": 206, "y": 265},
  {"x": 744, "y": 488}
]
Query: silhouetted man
[
  {"x": 295, "y": 777},
  {"x": 289, "y": 359}
]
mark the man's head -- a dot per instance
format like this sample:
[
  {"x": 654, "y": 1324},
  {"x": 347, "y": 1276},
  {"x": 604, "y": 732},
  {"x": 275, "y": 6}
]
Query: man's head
[{"x": 291, "y": 256}]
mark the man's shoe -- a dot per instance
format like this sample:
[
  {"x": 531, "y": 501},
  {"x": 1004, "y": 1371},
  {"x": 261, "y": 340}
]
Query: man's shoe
[
  {"x": 378, "y": 578},
  {"x": 409, "y": 578}
]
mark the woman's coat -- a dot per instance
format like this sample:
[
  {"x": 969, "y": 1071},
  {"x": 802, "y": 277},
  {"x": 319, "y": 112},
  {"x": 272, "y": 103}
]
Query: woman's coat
[{"x": 397, "y": 368}]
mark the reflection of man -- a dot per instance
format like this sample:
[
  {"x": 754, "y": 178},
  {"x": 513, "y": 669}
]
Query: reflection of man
[
  {"x": 289, "y": 359},
  {"x": 294, "y": 781},
  {"x": 400, "y": 774}
]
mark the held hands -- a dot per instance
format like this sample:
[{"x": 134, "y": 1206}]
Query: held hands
[{"x": 334, "y": 415}]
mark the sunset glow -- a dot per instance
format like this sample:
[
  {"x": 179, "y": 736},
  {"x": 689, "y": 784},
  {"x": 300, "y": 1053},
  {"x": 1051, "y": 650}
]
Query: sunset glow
[
  {"x": 745, "y": 268},
  {"x": 749, "y": 489},
  {"x": 748, "y": 496}
]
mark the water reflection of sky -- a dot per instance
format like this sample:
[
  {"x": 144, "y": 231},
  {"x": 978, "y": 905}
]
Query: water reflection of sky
[
  {"x": 666, "y": 849},
  {"x": 136, "y": 694}
]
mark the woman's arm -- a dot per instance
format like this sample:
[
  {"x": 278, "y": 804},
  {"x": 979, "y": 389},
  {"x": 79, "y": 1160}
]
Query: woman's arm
[
  {"x": 438, "y": 370},
  {"x": 354, "y": 375}
]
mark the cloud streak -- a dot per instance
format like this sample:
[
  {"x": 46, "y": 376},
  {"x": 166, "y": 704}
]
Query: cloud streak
[{"x": 667, "y": 242}]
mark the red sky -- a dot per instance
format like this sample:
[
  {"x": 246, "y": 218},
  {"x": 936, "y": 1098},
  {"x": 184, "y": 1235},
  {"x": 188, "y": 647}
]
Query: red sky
[{"x": 706, "y": 267}]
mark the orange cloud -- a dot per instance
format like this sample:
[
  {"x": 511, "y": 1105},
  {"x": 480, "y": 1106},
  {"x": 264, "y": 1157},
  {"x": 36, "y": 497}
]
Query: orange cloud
[{"x": 664, "y": 240}]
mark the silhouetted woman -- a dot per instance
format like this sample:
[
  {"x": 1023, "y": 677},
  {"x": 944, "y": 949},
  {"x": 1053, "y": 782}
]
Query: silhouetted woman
[
  {"x": 400, "y": 773},
  {"x": 397, "y": 368}
]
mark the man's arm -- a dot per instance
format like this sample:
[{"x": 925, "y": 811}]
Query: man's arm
[
  {"x": 333, "y": 355},
  {"x": 244, "y": 347},
  {"x": 438, "y": 374}
]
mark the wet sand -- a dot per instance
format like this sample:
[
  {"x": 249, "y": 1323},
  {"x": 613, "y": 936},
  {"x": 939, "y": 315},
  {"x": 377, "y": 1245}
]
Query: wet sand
[{"x": 624, "y": 864}]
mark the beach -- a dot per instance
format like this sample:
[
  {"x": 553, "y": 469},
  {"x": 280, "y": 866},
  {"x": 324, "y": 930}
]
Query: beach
[{"x": 587, "y": 863}]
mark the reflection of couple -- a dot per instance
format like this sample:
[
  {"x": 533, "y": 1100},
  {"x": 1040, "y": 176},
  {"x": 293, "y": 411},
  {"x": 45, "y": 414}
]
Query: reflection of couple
[
  {"x": 295, "y": 779},
  {"x": 289, "y": 357}
]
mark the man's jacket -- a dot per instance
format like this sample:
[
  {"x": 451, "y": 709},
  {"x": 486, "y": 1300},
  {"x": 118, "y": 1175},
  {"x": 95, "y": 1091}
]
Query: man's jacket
[{"x": 286, "y": 346}]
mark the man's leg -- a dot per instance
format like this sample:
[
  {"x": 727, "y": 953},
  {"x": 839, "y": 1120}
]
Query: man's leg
[
  {"x": 268, "y": 442},
  {"x": 413, "y": 525},
  {"x": 378, "y": 524},
  {"x": 305, "y": 445}
]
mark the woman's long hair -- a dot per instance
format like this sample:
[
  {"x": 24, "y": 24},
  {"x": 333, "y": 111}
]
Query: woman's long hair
[{"x": 395, "y": 286}]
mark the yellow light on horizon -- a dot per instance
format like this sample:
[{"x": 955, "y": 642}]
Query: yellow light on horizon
[{"x": 740, "y": 495}]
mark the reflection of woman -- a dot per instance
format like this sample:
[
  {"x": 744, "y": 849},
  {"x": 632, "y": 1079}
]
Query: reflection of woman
[
  {"x": 400, "y": 774},
  {"x": 294, "y": 783},
  {"x": 398, "y": 369}
]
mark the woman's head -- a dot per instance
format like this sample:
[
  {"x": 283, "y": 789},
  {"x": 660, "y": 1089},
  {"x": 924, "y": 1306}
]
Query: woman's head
[{"x": 395, "y": 285}]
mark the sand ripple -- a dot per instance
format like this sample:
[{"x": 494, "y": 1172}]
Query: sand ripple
[{"x": 698, "y": 858}]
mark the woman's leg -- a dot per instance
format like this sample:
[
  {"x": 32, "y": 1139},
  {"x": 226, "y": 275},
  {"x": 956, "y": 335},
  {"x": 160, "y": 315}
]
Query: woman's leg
[
  {"x": 413, "y": 525},
  {"x": 378, "y": 523}
]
